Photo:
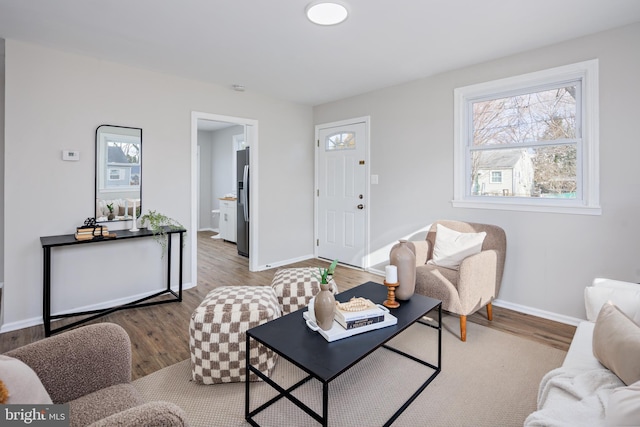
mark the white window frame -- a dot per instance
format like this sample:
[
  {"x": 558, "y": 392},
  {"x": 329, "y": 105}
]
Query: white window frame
[{"x": 588, "y": 173}]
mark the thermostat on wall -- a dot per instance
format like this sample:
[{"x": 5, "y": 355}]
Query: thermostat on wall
[{"x": 70, "y": 155}]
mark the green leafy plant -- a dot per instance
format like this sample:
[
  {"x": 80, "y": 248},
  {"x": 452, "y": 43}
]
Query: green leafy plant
[
  {"x": 326, "y": 274},
  {"x": 158, "y": 224},
  {"x": 110, "y": 207}
]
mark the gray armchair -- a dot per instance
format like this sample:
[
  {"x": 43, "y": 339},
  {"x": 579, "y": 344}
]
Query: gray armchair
[
  {"x": 90, "y": 369},
  {"x": 477, "y": 281}
]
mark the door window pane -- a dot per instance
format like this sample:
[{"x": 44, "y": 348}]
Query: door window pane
[{"x": 340, "y": 141}]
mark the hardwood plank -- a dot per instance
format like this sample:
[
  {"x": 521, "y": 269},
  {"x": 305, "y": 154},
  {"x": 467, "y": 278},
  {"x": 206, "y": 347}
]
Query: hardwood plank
[{"x": 160, "y": 334}]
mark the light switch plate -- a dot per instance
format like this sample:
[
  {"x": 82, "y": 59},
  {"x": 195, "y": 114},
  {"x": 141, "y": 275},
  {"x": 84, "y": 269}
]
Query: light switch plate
[
  {"x": 70, "y": 155},
  {"x": 374, "y": 179}
]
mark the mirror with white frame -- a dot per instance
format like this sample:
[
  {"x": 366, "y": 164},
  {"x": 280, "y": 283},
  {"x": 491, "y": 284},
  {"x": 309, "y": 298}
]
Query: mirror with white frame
[{"x": 118, "y": 173}]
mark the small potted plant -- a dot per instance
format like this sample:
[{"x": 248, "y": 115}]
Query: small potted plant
[
  {"x": 326, "y": 274},
  {"x": 324, "y": 302},
  {"x": 111, "y": 216},
  {"x": 158, "y": 224}
]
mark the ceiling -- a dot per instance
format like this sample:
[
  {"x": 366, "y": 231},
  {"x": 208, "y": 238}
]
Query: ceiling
[{"x": 269, "y": 47}]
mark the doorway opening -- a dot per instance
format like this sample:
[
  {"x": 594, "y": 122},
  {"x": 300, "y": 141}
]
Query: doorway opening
[{"x": 215, "y": 140}]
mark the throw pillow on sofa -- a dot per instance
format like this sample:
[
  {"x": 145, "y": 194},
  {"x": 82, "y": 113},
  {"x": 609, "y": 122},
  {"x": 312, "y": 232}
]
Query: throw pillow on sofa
[
  {"x": 616, "y": 343},
  {"x": 625, "y": 295},
  {"x": 22, "y": 383}
]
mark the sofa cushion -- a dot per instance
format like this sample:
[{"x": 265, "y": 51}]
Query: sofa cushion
[
  {"x": 623, "y": 408},
  {"x": 103, "y": 403},
  {"x": 626, "y": 296},
  {"x": 451, "y": 246},
  {"x": 580, "y": 354},
  {"x": 616, "y": 343},
  {"x": 22, "y": 383},
  {"x": 157, "y": 414}
]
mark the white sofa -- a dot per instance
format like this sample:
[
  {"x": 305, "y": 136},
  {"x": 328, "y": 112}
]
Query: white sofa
[{"x": 583, "y": 392}]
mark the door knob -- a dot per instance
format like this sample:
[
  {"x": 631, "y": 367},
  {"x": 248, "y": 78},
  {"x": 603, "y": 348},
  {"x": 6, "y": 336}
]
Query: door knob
[{"x": 360, "y": 206}]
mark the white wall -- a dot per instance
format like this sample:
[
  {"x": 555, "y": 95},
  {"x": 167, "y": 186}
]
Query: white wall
[
  {"x": 216, "y": 176},
  {"x": 205, "y": 145},
  {"x": 55, "y": 101},
  {"x": 550, "y": 257},
  {"x": 1, "y": 164},
  {"x": 224, "y": 181},
  {"x": 2, "y": 299}
]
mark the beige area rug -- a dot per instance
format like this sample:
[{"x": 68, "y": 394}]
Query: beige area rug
[{"x": 491, "y": 380}]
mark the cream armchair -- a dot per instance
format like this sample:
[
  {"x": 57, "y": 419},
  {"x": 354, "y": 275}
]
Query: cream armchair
[{"x": 475, "y": 284}]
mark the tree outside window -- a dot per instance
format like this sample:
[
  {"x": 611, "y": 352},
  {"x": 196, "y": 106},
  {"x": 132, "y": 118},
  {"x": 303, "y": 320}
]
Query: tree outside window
[{"x": 531, "y": 136}]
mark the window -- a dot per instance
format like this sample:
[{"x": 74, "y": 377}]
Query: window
[
  {"x": 529, "y": 142},
  {"x": 341, "y": 141},
  {"x": 122, "y": 154}
]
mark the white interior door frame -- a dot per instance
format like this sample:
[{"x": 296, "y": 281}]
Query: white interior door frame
[
  {"x": 367, "y": 190},
  {"x": 251, "y": 137}
]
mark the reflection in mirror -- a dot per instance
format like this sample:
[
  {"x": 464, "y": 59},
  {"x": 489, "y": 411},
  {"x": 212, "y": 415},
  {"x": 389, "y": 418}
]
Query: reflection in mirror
[{"x": 118, "y": 173}]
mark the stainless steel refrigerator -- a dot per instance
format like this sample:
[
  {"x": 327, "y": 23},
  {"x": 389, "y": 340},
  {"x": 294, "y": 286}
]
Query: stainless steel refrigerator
[{"x": 242, "y": 172}]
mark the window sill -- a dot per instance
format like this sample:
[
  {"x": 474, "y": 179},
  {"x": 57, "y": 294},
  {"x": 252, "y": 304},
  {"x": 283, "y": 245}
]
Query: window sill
[{"x": 516, "y": 205}]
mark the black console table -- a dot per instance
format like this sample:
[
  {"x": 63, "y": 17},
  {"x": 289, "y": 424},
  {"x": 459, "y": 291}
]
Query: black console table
[{"x": 49, "y": 242}]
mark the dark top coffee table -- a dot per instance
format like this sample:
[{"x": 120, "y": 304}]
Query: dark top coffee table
[{"x": 325, "y": 361}]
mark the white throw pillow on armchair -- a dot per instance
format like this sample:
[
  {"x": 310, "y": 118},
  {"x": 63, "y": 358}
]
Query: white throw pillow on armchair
[{"x": 451, "y": 247}]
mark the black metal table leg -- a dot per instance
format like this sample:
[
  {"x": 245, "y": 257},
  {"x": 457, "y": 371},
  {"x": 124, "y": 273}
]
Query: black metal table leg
[
  {"x": 169, "y": 239},
  {"x": 46, "y": 292},
  {"x": 180, "y": 267},
  {"x": 325, "y": 404},
  {"x": 247, "y": 390}
]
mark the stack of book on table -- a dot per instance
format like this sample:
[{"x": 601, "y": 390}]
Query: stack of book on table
[
  {"x": 357, "y": 313},
  {"x": 88, "y": 233},
  {"x": 351, "y": 318}
]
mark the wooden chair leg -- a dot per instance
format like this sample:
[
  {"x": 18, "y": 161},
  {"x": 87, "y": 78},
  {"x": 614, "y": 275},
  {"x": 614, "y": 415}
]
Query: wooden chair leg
[
  {"x": 463, "y": 328},
  {"x": 489, "y": 311}
]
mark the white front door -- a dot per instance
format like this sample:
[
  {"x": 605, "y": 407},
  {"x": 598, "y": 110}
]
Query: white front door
[{"x": 341, "y": 208}]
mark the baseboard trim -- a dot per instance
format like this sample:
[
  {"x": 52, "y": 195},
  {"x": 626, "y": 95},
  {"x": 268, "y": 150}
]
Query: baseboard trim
[
  {"x": 35, "y": 321},
  {"x": 285, "y": 262},
  {"x": 560, "y": 318},
  {"x": 375, "y": 271},
  {"x": 26, "y": 323}
]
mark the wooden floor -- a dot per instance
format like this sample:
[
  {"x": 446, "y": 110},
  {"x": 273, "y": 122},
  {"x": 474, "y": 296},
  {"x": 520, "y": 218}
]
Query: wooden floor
[{"x": 160, "y": 334}]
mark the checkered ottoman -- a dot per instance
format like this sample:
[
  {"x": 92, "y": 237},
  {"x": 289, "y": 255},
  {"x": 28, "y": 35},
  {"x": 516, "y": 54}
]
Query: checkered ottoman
[
  {"x": 295, "y": 287},
  {"x": 217, "y": 338}
]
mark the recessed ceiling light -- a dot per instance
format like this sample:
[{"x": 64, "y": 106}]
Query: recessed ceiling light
[
  {"x": 326, "y": 13},
  {"x": 238, "y": 88}
]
